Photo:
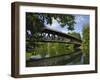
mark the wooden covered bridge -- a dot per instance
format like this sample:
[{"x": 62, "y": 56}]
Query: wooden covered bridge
[{"x": 50, "y": 35}]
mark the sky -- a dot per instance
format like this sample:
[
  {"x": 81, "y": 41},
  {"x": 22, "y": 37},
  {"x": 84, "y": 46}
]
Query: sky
[{"x": 79, "y": 19}]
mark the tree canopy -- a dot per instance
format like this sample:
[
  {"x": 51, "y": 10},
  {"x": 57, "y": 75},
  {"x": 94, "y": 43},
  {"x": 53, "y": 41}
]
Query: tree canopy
[{"x": 35, "y": 21}]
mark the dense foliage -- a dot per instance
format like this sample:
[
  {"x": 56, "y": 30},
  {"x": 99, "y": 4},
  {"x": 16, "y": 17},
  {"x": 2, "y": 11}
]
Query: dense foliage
[
  {"x": 75, "y": 34},
  {"x": 50, "y": 49},
  {"x": 63, "y": 19},
  {"x": 85, "y": 42}
]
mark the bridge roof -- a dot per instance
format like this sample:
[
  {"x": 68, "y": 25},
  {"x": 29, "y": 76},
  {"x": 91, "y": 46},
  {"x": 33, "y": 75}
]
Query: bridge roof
[{"x": 60, "y": 33}]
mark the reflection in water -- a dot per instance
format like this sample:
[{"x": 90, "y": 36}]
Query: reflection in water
[
  {"x": 78, "y": 60},
  {"x": 66, "y": 59},
  {"x": 53, "y": 54}
]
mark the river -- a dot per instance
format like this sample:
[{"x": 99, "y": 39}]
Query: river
[{"x": 74, "y": 58}]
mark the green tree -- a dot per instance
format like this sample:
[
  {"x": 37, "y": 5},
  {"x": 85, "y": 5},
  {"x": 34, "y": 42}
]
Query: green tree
[
  {"x": 75, "y": 34},
  {"x": 85, "y": 42}
]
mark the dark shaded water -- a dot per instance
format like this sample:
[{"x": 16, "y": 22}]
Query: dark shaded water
[{"x": 74, "y": 58}]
